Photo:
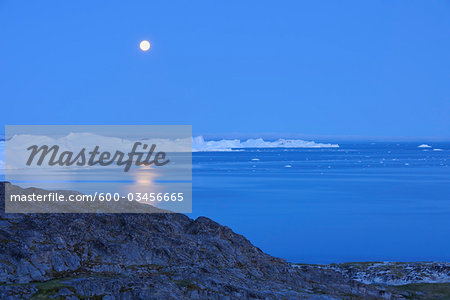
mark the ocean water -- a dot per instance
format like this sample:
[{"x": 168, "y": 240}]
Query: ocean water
[{"x": 358, "y": 202}]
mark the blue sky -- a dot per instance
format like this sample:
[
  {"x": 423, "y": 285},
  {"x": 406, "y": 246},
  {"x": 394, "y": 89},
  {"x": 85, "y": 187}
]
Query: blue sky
[{"x": 334, "y": 68}]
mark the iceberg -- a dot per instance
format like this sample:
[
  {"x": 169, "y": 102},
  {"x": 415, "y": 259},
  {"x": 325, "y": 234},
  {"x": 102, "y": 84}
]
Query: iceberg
[
  {"x": 199, "y": 144},
  {"x": 76, "y": 141},
  {"x": 18, "y": 148},
  {"x": 424, "y": 146}
]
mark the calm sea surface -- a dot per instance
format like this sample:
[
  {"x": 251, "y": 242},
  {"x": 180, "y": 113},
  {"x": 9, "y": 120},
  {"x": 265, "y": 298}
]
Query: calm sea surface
[{"x": 359, "y": 202}]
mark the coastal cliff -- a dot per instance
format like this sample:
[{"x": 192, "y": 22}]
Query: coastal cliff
[{"x": 153, "y": 256}]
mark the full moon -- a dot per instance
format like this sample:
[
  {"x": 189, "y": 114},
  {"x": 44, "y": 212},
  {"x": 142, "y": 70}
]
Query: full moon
[{"x": 144, "y": 45}]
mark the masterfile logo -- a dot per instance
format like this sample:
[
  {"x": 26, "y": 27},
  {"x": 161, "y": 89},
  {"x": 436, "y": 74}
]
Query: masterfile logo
[
  {"x": 68, "y": 158},
  {"x": 113, "y": 169}
]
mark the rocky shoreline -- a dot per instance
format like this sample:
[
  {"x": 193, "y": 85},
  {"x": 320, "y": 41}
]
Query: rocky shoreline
[
  {"x": 392, "y": 273},
  {"x": 412, "y": 280},
  {"x": 157, "y": 256}
]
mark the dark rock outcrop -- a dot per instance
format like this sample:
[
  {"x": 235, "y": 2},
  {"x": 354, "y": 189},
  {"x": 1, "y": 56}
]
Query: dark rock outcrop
[{"x": 150, "y": 256}]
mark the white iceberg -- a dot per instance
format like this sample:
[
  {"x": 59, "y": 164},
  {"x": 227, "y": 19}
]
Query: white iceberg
[
  {"x": 17, "y": 151},
  {"x": 199, "y": 144},
  {"x": 424, "y": 146}
]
